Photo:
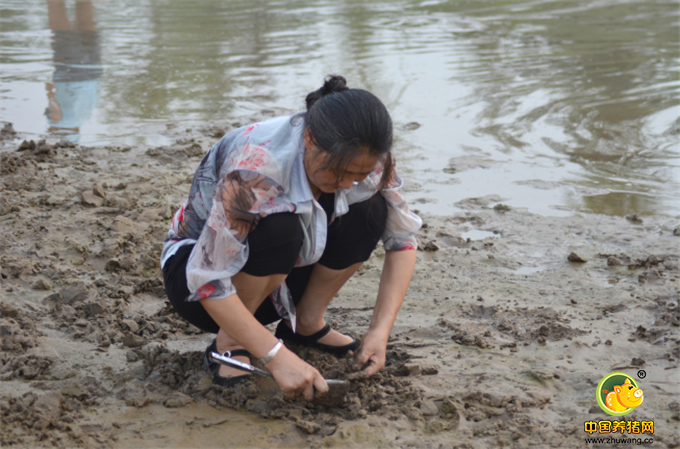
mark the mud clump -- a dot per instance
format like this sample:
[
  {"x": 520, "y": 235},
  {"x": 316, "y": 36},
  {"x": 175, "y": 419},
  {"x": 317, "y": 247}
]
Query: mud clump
[
  {"x": 10, "y": 163},
  {"x": 39, "y": 152},
  {"x": 48, "y": 420},
  {"x": 184, "y": 148},
  {"x": 99, "y": 313},
  {"x": 656, "y": 267},
  {"x": 7, "y": 132},
  {"x": 388, "y": 393},
  {"x": 167, "y": 370},
  {"x": 17, "y": 331},
  {"x": 574, "y": 257},
  {"x": 24, "y": 367},
  {"x": 665, "y": 328}
]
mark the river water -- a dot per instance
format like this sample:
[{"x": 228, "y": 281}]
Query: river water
[{"x": 554, "y": 106}]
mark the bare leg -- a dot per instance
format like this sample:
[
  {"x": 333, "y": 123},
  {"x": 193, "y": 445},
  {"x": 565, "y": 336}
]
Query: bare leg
[
  {"x": 322, "y": 287},
  {"x": 56, "y": 11},
  {"x": 252, "y": 290},
  {"x": 84, "y": 16}
]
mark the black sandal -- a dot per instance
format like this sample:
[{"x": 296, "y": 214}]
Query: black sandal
[
  {"x": 285, "y": 333},
  {"x": 214, "y": 367}
]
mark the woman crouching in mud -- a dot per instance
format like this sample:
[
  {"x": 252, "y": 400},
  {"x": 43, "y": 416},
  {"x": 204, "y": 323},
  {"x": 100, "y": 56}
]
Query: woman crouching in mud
[{"x": 280, "y": 215}]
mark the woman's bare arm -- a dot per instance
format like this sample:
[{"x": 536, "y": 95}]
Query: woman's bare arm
[
  {"x": 394, "y": 282},
  {"x": 294, "y": 376}
]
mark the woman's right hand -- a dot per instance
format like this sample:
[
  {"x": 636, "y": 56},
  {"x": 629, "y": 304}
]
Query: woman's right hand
[{"x": 296, "y": 377}]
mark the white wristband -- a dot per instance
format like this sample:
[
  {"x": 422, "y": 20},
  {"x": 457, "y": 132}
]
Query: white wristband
[{"x": 272, "y": 353}]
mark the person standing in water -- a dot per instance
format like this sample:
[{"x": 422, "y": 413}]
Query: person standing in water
[
  {"x": 280, "y": 215},
  {"x": 74, "y": 91}
]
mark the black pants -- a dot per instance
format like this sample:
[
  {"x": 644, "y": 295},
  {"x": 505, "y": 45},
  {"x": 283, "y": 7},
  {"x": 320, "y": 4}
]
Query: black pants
[{"x": 274, "y": 247}]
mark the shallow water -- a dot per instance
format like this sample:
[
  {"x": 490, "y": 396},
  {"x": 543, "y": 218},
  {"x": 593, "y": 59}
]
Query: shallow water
[
  {"x": 477, "y": 234},
  {"x": 555, "y": 106}
]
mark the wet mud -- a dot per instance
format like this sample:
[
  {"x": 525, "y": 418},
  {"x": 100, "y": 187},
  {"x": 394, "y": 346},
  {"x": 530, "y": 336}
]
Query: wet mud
[{"x": 500, "y": 342}]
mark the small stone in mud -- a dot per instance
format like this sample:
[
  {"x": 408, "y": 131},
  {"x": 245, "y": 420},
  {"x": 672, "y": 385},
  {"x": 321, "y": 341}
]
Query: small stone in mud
[
  {"x": 178, "y": 400},
  {"x": 413, "y": 413},
  {"x": 573, "y": 301},
  {"x": 608, "y": 342},
  {"x": 449, "y": 408},
  {"x": 138, "y": 401},
  {"x": 431, "y": 246},
  {"x": 414, "y": 370},
  {"x": 193, "y": 150},
  {"x": 94, "y": 308},
  {"x": 429, "y": 408},
  {"x": 8, "y": 310},
  {"x": 614, "y": 261},
  {"x": 204, "y": 385},
  {"x": 573, "y": 257},
  {"x": 308, "y": 426},
  {"x": 54, "y": 200},
  {"x": 48, "y": 407},
  {"x": 133, "y": 341},
  {"x": 411, "y": 126},
  {"x": 633, "y": 218},
  {"x": 42, "y": 284},
  {"x": 8, "y": 130},
  {"x": 75, "y": 292},
  {"x": 218, "y": 133},
  {"x": 99, "y": 191},
  {"x": 91, "y": 199},
  {"x": 131, "y": 356},
  {"x": 637, "y": 361},
  {"x": 75, "y": 392},
  {"x": 123, "y": 224},
  {"x": 429, "y": 370},
  {"x": 116, "y": 265},
  {"x": 649, "y": 276},
  {"x": 131, "y": 325},
  {"x": 436, "y": 427},
  {"x": 5, "y": 207},
  {"x": 676, "y": 231}
]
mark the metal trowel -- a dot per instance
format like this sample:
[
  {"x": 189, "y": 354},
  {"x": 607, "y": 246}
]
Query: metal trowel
[{"x": 337, "y": 388}]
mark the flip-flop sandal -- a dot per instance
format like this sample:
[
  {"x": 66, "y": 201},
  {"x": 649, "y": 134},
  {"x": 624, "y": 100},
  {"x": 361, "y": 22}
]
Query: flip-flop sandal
[
  {"x": 214, "y": 367},
  {"x": 285, "y": 333}
]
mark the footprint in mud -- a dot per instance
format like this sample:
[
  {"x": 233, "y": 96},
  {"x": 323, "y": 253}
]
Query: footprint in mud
[{"x": 486, "y": 327}]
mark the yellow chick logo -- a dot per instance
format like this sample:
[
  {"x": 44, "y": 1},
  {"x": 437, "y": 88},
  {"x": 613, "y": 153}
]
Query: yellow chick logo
[{"x": 624, "y": 397}]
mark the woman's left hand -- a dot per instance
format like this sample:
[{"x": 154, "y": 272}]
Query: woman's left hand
[
  {"x": 370, "y": 355},
  {"x": 394, "y": 281}
]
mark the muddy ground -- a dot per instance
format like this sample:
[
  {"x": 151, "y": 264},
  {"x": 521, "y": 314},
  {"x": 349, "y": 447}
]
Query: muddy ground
[{"x": 501, "y": 341}]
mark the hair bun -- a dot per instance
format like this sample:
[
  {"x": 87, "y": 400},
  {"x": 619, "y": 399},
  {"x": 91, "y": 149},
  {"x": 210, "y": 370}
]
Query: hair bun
[{"x": 332, "y": 84}]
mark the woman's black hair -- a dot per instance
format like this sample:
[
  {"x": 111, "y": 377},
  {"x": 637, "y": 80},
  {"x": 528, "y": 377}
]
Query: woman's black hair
[{"x": 345, "y": 123}]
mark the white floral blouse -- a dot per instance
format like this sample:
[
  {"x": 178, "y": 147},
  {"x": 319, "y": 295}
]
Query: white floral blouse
[{"x": 253, "y": 172}]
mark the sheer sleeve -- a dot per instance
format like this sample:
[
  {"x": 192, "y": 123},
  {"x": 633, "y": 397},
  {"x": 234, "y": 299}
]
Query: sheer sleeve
[
  {"x": 221, "y": 250},
  {"x": 402, "y": 224}
]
